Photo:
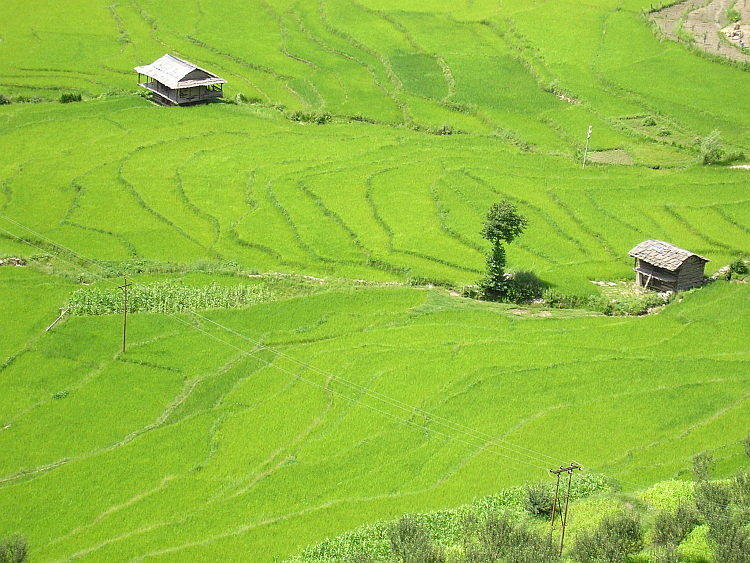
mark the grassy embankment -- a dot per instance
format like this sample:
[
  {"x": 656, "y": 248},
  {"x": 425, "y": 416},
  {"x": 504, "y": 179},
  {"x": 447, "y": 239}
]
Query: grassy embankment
[{"x": 186, "y": 447}]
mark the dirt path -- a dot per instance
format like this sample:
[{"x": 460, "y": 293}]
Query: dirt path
[{"x": 705, "y": 22}]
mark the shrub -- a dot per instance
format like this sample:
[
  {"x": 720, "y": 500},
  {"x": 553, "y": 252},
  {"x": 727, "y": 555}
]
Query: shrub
[
  {"x": 616, "y": 537},
  {"x": 738, "y": 266},
  {"x": 538, "y": 499},
  {"x": 559, "y": 300},
  {"x": 68, "y": 97},
  {"x": 670, "y": 528},
  {"x": 13, "y": 550},
  {"x": 712, "y": 148},
  {"x": 741, "y": 490},
  {"x": 733, "y": 15},
  {"x": 411, "y": 543},
  {"x": 649, "y": 121},
  {"x": 731, "y": 541},
  {"x": 495, "y": 535},
  {"x": 502, "y": 539},
  {"x": 527, "y": 546},
  {"x": 712, "y": 501},
  {"x": 4, "y": 100},
  {"x": 311, "y": 117},
  {"x": 702, "y": 466},
  {"x": 667, "y": 554}
]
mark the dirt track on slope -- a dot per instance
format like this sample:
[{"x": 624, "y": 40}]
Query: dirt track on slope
[{"x": 705, "y": 24}]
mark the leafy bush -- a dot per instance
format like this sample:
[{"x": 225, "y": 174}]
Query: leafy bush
[
  {"x": 712, "y": 148},
  {"x": 495, "y": 535},
  {"x": 712, "y": 501},
  {"x": 4, "y": 100},
  {"x": 738, "y": 266},
  {"x": 501, "y": 538},
  {"x": 670, "y": 528},
  {"x": 13, "y": 549},
  {"x": 740, "y": 490},
  {"x": 538, "y": 500},
  {"x": 68, "y": 97},
  {"x": 616, "y": 537},
  {"x": 731, "y": 541},
  {"x": 311, "y": 117},
  {"x": 411, "y": 543},
  {"x": 702, "y": 463},
  {"x": 649, "y": 121},
  {"x": 733, "y": 15}
]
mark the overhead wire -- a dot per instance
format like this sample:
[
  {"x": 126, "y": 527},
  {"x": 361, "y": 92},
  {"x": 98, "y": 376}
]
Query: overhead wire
[{"x": 540, "y": 458}]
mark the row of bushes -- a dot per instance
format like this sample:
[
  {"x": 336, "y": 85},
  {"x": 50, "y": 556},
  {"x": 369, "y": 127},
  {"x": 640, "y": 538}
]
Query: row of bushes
[
  {"x": 526, "y": 287},
  {"x": 466, "y": 533},
  {"x": 165, "y": 297},
  {"x": 65, "y": 97},
  {"x": 513, "y": 527}
]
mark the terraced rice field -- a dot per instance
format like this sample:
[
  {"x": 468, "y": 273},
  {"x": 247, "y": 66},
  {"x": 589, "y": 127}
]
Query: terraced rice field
[{"x": 351, "y": 390}]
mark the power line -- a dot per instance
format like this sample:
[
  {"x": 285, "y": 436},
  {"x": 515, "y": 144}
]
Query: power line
[{"x": 472, "y": 433}]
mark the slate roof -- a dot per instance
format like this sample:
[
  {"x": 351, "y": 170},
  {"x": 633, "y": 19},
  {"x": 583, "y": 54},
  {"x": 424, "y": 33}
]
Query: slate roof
[
  {"x": 171, "y": 72},
  {"x": 662, "y": 254}
]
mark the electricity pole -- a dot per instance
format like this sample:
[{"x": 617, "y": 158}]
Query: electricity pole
[
  {"x": 569, "y": 470},
  {"x": 124, "y": 310},
  {"x": 588, "y": 136}
]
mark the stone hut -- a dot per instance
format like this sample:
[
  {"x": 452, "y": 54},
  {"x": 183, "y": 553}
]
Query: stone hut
[
  {"x": 176, "y": 82},
  {"x": 665, "y": 267}
]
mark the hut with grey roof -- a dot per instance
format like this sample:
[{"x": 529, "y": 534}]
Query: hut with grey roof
[
  {"x": 665, "y": 267},
  {"x": 176, "y": 82}
]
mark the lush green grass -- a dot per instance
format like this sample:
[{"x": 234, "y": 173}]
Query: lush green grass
[
  {"x": 191, "y": 447},
  {"x": 188, "y": 447},
  {"x": 398, "y": 207}
]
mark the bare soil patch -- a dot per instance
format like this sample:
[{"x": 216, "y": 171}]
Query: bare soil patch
[
  {"x": 614, "y": 156},
  {"x": 708, "y": 25}
]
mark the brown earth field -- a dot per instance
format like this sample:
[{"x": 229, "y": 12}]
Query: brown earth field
[{"x": 707, "y": 23}]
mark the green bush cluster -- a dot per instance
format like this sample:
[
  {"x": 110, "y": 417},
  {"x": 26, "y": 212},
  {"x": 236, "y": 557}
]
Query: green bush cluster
[
  {"x": 539, "y": 498},
  {"x": 638, "y": 304},
  {"x": 241, "y": 98},
  {"x": 411, "y": 543},
  {"x": 712, "y": 148},
  {"x": 4, "y": 100},
  {"x": 737, "y": 266},
  {"x": 617, "y": 536},
  {"x": 501, "y": 538},
  {"x": 68, "y": 97},
  {"x": 311, "y": 117},
  {"x": 13, "y": 549},
  {"x": 494, "y": 524},
  {"x": 165, "y": 297},
  {"x": 671, "y": 528}
]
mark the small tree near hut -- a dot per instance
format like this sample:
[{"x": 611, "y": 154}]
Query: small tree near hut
[{"x": 502, "y": 226}]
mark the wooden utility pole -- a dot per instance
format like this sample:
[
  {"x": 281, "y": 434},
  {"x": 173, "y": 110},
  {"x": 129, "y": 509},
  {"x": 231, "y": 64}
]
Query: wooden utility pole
[
  {"x": 564, "y": 517},
  {"x": 124, "y": 310},
  {"x": 586, "y": 152}
]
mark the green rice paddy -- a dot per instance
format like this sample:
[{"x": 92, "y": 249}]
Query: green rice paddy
[{"x": 343, "y": 388}]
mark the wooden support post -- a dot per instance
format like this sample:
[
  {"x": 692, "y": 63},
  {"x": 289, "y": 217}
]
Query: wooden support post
[
  {"x": 554, "y": 506},
  {"x": 586, "y": 152},
  {"x": 564, "y": 517},
  {"x": 124, "y": 310},
  {"x": 56, "y": 320}
]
